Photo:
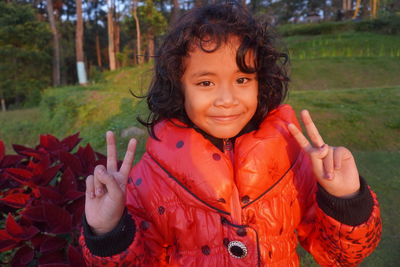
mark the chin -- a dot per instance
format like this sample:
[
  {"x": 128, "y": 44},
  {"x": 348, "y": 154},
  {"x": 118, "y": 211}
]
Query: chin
[{"x": 224, "y": 134}]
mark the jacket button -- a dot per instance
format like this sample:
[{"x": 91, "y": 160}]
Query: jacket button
[
  {"x": 179, "y": 144},
  {"x": 161, "y": 210},
  {"x": 144, "y": 225},
  {"x": 138, "y": 181},
  {"x": 241, "y": 232},
  {"x": 206, "y": 250},
  {"x": 224, "y": 220},
  {"x": 237, "y": 249},
  {"x": 245, "y": 199},
  {"x": 216, "y": 156},
  {"x": 222, "y": 200}
]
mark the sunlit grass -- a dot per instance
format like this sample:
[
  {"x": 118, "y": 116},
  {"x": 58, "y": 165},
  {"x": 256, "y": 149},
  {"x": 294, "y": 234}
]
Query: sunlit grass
[{"x": 344, "y": 45}]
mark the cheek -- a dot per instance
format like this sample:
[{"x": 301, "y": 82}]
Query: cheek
[
  {"x": 190, "y": 106},
  {"x": 252, "y": 100}
]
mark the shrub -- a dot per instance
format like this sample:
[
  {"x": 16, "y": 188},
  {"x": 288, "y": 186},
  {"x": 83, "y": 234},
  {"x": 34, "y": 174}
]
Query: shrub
[
  {"x": 42, "y": 193},
  {"x": 315, "y": 28},
  {"x": 385, "y": 25}
]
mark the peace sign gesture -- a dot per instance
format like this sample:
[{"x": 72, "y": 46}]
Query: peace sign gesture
[
  {"x": 105, "y": 190},
  {"x": 333, "y": 167}
]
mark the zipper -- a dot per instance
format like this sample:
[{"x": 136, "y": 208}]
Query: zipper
[
  {"x": 228, "y": 149},
  {"x": 227, "y": 144},
  {"x": 236, "y": 209}
]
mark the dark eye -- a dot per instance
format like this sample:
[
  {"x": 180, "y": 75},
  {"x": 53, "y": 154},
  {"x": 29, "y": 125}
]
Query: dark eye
[
  {"x": 205, "y": 83},
  {"x": 242, "y": 80}
]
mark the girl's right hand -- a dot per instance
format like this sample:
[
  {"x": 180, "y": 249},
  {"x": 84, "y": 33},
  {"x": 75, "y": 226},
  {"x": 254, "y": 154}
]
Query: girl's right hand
[{"x": 105, "y": 190}]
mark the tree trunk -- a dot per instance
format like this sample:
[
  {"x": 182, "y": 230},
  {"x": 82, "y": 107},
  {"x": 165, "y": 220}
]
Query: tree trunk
[
  {"x": 117, "y": 39},
  {"x": 138, "y": 37},
  {"x": 198, "y": 3},
  {"x": 150, "y": 45},
  {"x": 357, "y": 9},
  {"x": 56, "y": 44},
  {"x": 98, "y": 50},
  {"x": 110, "y": 24},
  {"x": 3, "y": 105},
  {"x": 175, "y": 11},
  {"x": 80, "y": 64}
]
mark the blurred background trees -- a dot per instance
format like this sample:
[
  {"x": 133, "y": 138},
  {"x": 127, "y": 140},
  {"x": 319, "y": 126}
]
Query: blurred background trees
[{"x": 58, "y": 42}]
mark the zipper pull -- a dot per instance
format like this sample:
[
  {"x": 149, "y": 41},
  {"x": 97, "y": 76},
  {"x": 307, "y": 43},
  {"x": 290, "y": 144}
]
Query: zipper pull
[
  {"x": 227, "y": 144},
  {"x": 228, "y": 149}
]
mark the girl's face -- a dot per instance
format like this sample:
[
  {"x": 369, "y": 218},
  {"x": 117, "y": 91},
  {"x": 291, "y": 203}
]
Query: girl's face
[{"x": 219, "y": 98}]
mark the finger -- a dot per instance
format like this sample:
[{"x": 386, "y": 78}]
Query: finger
[
  {"x": 311, "y": 129},
  {"x": 338, "y": 156},
  {"x": 317, "y": 155},
  {"x": 300, "y": 138},
  {"x": 328, "y": 164},
  {"x": 99, "y": 172},
  {"x": 128, "y": 160},
  {"x": 111, "y": 152},
  {"x": 108, "y": 182},
  {"x": 90, "y": 186},
  {"x": 320, "y": 153}
]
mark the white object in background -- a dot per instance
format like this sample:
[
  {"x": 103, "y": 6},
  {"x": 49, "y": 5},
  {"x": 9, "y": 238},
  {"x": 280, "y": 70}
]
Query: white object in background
[{"x": 80, "y": 66}]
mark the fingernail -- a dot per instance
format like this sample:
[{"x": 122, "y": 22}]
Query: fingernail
[
  {"x": 329, "y": 176},
  {"x": 99, "y": 191}
]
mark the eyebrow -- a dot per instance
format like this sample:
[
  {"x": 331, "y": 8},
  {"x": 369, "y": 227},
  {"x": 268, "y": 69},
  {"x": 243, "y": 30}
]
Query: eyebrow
[
  {"x": 202, "y": 73},
  {"x": 207, "y": 73}
]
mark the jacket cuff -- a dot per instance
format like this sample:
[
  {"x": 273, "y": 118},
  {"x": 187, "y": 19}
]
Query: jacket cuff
[
  {"x": 113, "y": 242},
  {"x": 353, "y": 211}
]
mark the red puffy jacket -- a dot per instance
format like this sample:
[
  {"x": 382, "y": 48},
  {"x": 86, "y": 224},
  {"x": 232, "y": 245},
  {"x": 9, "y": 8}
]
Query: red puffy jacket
[{"x": 193, "y": 207}]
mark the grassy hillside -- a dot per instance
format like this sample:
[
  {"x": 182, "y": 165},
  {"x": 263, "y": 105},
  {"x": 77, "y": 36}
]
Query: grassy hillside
[
  {"x": 353, "y": 98},
  {"x": 345, "y": 60},
  {"x": 344, "y": 45}
]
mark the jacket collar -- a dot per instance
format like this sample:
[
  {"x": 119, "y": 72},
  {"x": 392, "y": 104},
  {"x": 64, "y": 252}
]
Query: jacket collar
[
  {"x": 219, "y": 142},
  {"x": 262, "y": 157}
]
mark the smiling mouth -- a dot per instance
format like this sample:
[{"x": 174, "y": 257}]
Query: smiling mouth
[{"x": 227, "y": 118}]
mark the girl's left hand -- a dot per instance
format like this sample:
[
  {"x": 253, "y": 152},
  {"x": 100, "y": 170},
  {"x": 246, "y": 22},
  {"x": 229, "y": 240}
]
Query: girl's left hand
[{"x": 333, "y": 167}]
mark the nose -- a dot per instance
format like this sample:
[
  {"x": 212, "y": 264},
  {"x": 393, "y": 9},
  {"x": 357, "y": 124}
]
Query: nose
[{"x": 225, "y": 96}]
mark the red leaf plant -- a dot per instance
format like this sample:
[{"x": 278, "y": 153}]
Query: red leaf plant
[{"x": 42, "y": 201}]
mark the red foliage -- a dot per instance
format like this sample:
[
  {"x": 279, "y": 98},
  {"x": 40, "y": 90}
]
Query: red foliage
[
  {"x": 2, "y": 150},
  {"x": 42, "y": 191}
]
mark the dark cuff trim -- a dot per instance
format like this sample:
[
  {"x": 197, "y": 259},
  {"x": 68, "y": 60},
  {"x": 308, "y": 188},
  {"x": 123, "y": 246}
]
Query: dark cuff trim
[
  {"x": 113, "y": 242},
  {"x": 353, "y": 211}
]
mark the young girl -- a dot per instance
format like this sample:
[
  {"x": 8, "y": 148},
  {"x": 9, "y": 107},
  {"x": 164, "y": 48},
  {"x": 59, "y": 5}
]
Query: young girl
[{"x": 227, "y": 179}]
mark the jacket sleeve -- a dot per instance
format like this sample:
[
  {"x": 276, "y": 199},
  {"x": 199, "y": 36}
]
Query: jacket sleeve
[
  {"x": 135, "y": 241},
  {"x": 336, "y": 231}
]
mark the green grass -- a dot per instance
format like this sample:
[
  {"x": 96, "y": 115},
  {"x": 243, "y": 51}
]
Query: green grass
[
  {"x": 19, "y": 127},
  {"x": 90, "y": 110},
  {"x": 380, "y": 168},
  {"x": 361, "y": 119},
  {"x": 346, "y": 44},
  {"x": 343, "y": 73},
  {"x": 345, "y": 60}
]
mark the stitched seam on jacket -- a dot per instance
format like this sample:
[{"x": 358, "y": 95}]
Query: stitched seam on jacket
[
  {"x": 273, "y": 186},
  {"x": 186, "y": 189}
]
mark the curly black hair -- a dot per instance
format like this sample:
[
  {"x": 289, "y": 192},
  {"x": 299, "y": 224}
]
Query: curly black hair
[{"x": 215, "y": 23}]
